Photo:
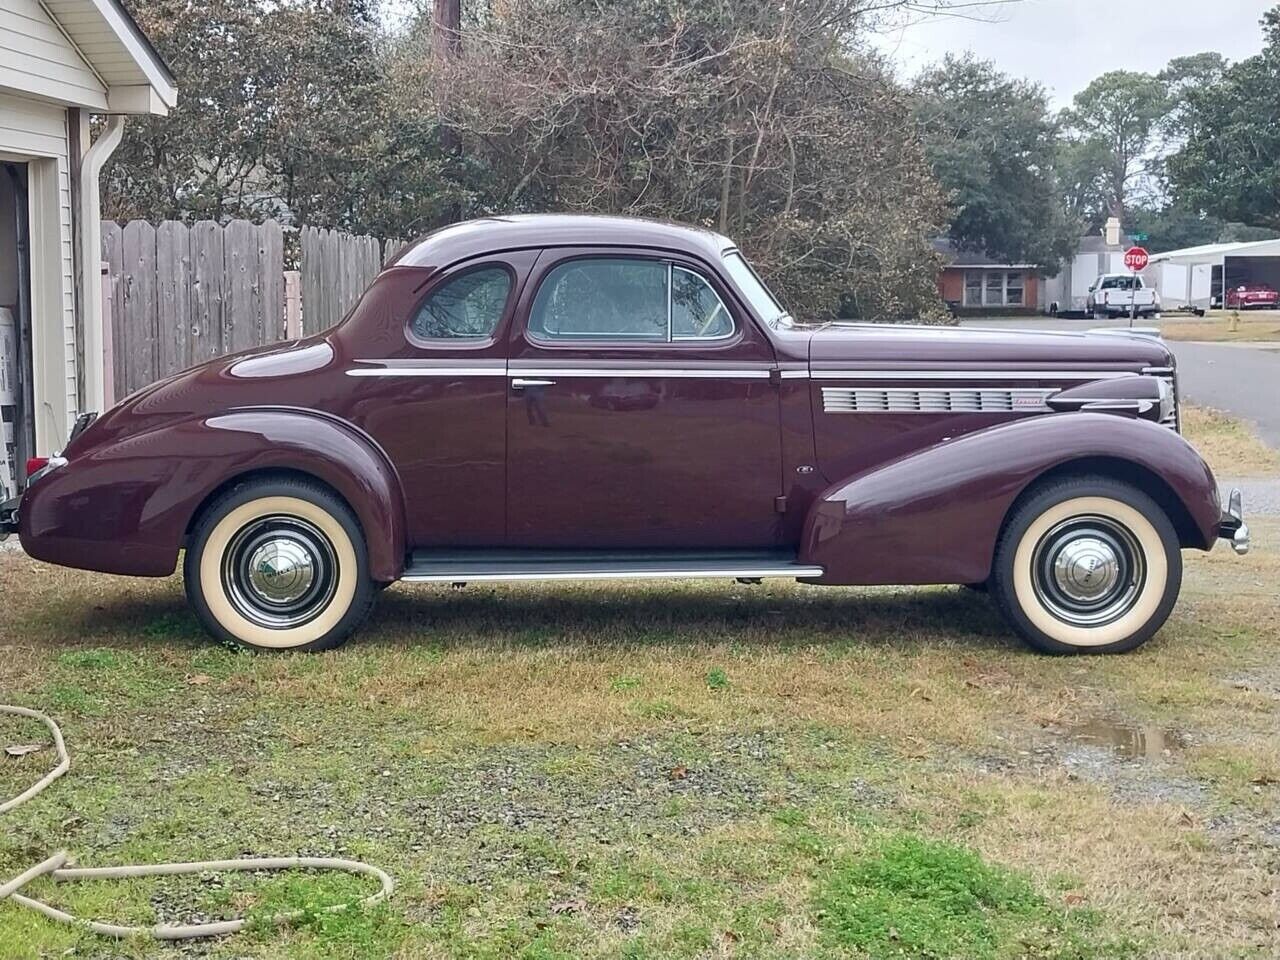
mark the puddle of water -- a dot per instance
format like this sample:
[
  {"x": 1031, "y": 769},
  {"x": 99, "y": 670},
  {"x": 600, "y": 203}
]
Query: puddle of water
[{"x": 1129, "y": 741}]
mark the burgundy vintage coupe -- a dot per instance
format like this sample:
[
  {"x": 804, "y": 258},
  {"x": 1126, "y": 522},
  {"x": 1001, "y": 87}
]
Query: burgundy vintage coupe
[{"x": 566, "y": 397}]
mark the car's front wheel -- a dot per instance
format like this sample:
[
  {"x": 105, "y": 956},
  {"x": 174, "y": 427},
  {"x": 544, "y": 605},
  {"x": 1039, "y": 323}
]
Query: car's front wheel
[
  {"x": 1087, "y": 565},
  {"x": 279, "y": 564}
]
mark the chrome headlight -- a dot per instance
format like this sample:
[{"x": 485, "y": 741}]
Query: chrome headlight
[{"x": 1168, "y": 402}]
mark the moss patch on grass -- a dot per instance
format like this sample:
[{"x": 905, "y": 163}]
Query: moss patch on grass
[{"x": 909, "y": 896}]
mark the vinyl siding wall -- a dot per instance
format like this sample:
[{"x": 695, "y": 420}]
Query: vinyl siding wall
[
  {"x": 37, "y": 58},
  {"x": 37, "y": 132}
]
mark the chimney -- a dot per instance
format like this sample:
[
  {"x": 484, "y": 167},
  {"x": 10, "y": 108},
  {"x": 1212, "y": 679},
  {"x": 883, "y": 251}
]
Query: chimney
[{"x": 1113, "y": 231}]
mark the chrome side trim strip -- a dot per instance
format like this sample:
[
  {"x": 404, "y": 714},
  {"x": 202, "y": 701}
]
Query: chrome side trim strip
[
  {"x": 971, "y": 374},
  {"x": 427, "y": 372},
  {"x": 720, "y": 373},
  {"x": 703, "y": 573},
  {"x": 675, "y": 373}
]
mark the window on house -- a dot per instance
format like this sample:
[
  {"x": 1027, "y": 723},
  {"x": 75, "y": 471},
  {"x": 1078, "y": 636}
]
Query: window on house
[
  {"x": 1013, "y": 290},
  {"x": 973, "y": 288},
  {"x": 993, "y": 296}
]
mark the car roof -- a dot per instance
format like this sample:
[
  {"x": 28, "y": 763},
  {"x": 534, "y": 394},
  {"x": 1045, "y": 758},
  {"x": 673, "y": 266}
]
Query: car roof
[{"x": 472, "y": 238}]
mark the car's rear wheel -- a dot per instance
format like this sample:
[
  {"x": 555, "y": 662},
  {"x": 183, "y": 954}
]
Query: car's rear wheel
[
  {"x": 1087, "y": 565},
  {"x": 279, "y": 564}
]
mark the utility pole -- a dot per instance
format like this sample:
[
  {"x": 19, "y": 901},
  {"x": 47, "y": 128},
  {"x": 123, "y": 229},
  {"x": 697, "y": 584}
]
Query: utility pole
[{"x": 446, "y": 45}]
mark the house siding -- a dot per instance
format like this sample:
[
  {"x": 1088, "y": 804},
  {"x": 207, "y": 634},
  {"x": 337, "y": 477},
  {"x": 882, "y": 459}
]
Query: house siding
[
  {"x": 38, "y": 131},
  {"x": 38, "y": 60}
]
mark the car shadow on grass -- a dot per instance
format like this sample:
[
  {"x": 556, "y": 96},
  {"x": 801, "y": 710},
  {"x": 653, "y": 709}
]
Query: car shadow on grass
[
  {"x": 625, "y": 616},
  {"x": 615, "y": 615}
]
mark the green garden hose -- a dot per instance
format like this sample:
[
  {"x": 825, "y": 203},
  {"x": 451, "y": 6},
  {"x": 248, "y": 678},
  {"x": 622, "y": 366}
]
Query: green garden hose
[{"x": 56, "y": 868}]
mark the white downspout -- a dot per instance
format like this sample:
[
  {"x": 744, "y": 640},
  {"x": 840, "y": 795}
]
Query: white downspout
[{"x": 95, "y": 374}]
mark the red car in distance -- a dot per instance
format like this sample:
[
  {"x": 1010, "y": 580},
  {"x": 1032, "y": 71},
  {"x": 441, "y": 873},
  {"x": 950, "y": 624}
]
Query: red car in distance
[{"x": 1256, "y": 296}]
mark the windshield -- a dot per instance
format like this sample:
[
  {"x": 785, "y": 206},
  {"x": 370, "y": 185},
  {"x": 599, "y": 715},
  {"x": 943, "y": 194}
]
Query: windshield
[
  {"x": 1120, "y": 283},
  {"x": 752, "y": 287}
]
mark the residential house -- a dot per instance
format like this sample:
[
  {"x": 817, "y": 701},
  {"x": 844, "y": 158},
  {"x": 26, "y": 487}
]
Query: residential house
[{"x": 61, "y": 62}]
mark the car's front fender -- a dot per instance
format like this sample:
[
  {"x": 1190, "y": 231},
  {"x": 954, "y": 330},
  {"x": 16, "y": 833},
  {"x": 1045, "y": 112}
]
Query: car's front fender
[
  {"x": 125, "y": 506},
  {"x": 934, "y": 516}
]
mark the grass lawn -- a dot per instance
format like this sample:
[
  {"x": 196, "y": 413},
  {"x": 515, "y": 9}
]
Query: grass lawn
[
  {"x": 1258, "y": 326},
  {"x": 1229, "y": 445},
  {"x": 658, "y": 770}
]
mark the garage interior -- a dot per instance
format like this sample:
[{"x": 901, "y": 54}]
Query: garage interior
[
  {"x": 16, "y": 396},
  {"x": 1195, "y": 277},
  {"x": 1246, "y": 272}
]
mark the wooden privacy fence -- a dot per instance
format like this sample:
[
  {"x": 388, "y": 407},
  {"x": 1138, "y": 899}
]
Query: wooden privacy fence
[
  {"x": 180, "y": 294},
  {"x": 336, "y": 270},
  {"x": 183, "y": 294}
]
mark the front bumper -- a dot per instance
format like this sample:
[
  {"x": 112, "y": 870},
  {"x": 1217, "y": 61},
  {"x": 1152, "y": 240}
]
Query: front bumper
[{"x": 1232, "y": 526}]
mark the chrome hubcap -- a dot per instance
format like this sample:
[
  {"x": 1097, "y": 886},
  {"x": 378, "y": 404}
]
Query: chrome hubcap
[
  {"x": 1088, "y": 571},
  {"x": 280, "y": 571}
]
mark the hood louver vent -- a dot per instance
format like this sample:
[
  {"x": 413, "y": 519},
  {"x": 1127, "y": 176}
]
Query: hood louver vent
[{"x": 908, "y": 400}]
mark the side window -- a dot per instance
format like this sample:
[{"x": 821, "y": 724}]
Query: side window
[
  {"x": 696, "y": 311},
  {"x": 468, "y": 307},
  {"x": 612, "y": 299},
  {"x": 616, "y": 298}
]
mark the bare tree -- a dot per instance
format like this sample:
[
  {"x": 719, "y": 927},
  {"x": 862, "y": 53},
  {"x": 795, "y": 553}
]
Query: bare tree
[{"x": 774, "y": 123}]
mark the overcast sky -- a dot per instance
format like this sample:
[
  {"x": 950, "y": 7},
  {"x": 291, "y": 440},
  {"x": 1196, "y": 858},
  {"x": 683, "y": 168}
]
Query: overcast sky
[{"x": 1064, "y": 44}]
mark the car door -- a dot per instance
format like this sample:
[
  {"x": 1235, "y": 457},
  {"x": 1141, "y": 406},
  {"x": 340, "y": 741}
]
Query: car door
[
  {"x": 436, "y": 402},
  {"x": 642, "y": 410}
]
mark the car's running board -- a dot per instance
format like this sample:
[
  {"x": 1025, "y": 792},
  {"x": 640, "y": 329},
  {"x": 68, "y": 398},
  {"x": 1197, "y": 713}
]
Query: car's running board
[{"x": 478, "y": 566}]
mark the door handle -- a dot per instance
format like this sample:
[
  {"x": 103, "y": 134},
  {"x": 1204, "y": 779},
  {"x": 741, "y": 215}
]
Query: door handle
[{"x": 518, "y": 383}]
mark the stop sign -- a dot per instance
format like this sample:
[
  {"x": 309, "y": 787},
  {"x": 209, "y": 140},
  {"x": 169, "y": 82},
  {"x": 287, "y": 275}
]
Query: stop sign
[{"x": 1136, "y": 258}]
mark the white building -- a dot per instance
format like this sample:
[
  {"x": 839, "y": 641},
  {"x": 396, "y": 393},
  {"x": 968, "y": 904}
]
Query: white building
[
  {"x": 61, "y": 61},
  {"x": 1194, "y": 277}
]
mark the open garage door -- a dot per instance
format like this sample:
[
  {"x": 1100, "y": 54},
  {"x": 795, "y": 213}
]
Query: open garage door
[
  {"x": 16, "y": 397},
  {"x": 1251, "y": 271}
]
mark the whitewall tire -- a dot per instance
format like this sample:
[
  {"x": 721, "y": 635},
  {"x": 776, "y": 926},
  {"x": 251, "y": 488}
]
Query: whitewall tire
[
  {"x": 1087, "y": 565},
  {"x": 279, "y": 564}
]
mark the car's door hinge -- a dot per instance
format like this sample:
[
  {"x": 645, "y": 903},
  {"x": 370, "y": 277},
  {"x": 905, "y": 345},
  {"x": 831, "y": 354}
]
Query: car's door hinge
[
  {"x": 780, "y": 504},
  {"x": 775, "y": 377}
]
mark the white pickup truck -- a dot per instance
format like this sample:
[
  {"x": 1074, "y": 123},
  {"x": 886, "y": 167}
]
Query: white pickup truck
[{"x": 1115, "y": 294}]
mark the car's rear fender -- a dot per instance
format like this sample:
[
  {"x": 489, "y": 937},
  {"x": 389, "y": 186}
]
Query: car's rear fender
[
  {"x": 935, "y": 516},
  {"x": 126, "y": 506}
]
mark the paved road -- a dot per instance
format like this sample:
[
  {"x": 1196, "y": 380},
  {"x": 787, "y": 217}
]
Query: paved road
[{"x": 1243, "y": 380}]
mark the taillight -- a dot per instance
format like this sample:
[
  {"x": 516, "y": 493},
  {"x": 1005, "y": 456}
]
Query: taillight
[{"x": 35, "y": 465}]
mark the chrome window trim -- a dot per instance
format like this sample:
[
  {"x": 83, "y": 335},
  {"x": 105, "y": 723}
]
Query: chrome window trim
[
  {"x": 608, "y": 336},
  {"x": 671, "y": 275}
]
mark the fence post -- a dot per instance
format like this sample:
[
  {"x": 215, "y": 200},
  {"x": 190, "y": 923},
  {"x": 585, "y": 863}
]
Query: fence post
[
  {"x": 292, "y": 304},
  {"x": 140, "y": 313},
  {"x": 108, "y": 338}
]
